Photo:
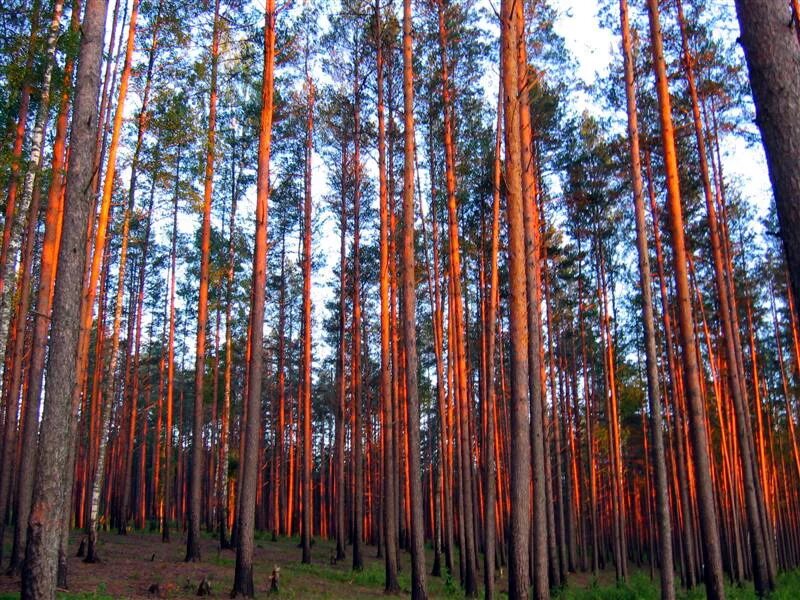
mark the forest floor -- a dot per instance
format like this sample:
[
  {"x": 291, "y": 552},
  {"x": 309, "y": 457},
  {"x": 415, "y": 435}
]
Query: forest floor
[{"x": 131, "y": 564}]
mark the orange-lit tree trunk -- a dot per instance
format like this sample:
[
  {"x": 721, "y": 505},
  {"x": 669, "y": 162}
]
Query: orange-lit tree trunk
[
  {"x": 31, "y": 193},
  {"x": 445, "y": 428},
  {"x": 341, "y": 383},
  {"x": 132, "y": 376},
  {"x": 697, "y": 420},
  {"x": 646, "y": 286},
  {"x": 195, "y": 501},
  {"x": 459, "y": 353},
  {"x": 520, "y": 467},
  {"x": 108, "y": 188},
  {"x": 243, "y": 576},
  {"x": 224, "y": 447},
  {"x": 355, "y": 332},
  {"x": 50, "y": 498},
  {"x": 133, "y": 392},
  {"x": 170, "y": 401},
  {"x": 14, "y": 218},
  {"x": 418, "y": 588},
  {"x": 389, "y": 517},
  {"x": 762, "y": 577},
  {"x": 539, "y": 551}
]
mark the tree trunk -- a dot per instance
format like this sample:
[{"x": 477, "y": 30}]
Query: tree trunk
[
  {"x": 418, "y": 588},
  {"x": 459, "y": 353},
  {"x": 355, "y": 332},
  {"x": 392, "y": 586},
  {"x": 308, "y": 500},
  {"x": 195, "y": 500},
  {"x": 520, "y": 468},
  {"x": 539, "y": 552},
  {"x": 50, "y": 499},
  {"x": 341, "y": 409},
  {"x": 14, "y": 217},
  {"x": 30, "y": 199},
  {"x": 773, "y": 61},
  {"x": 490, "y": 328},
  {"x": 651, "y": 356},
  {"x": 243, "y": 576},
  {"x": 697, "y": 420}
]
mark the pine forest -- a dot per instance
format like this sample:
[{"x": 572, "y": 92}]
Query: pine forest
[{"x": 400, "y": 298}]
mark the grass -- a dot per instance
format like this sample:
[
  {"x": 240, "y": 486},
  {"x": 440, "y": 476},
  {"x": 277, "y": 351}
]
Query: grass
[
  {"x": 640, "y": 587},
  {"x": 130, "y": 564}
]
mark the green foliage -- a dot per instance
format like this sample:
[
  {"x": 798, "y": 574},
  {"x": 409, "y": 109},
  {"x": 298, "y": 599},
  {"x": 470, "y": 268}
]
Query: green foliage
[{"x": 640, "y": 587}]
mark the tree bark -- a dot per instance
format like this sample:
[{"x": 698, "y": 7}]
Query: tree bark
[
  {"x": 646, "y": 285},
  {"x": 243, "y": 576},
  {"x": 392, "y": 585},
  {"x": 697, "y": 420},
  {"x": 308, "y": 500},
  {"x": 195, "y": 479},
  {"x": 773, "y": 61},
  {"x": 50, "y": 499},
  {"x": 418, "y": 588},
  {"x": 520, "y": 467}
]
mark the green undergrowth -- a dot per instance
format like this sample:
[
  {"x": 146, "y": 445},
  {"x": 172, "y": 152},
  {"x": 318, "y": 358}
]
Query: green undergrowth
[{"x": 640, "y": 587}]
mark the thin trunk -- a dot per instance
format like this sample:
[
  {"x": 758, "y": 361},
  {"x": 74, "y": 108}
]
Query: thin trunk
[
  {"x": 490, "y": 327},
  {"x": 355, "y": 361},
  {"x": 195, "y": 500},
  {"x": 392, "y": 585},
  {"x": 308, "y": 501},
  {"x": 418, "y": 588},
  {"x": 168, "y": 429},
  {"x": 243, "y": 577},
  {"x": 457, "y": 303},
  {"x": 697, "y": 419},
  {"x": 15, "y": 216},
  {"x": 646, "y": 286}
]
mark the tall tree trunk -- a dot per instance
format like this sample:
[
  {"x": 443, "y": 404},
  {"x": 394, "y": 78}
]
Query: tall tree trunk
[
  {"x": 490, "y": 329},
  {"x": 308, "y": 500},
  {"x": 460, "y": 352},
  {"x": 355, "y": 356},
  {"x": 50, "y": 499},
  {"x": 773, "y": 61},
  {"x": 31, "y": 194},
  {"x": 763, "y": 580},
  {"x": 539, "y": 552},
  {"x": 697, "y": 420},
  {"x": 646, "y": 286},
  {"x": 392, "y": 585},
  {"x": 418, "y": 588},
  {"x": 195, "y": 500},
  {"x": 223, "y": 477},
  {"x": 108, "y": 187},
  {"x": 14, "y": 216},
  {"x": 520, "y": 467},
  {"x": 243, "y": 576},
  {"x": 168, "y": 428},
  {"x": 341, "y": 409}
]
